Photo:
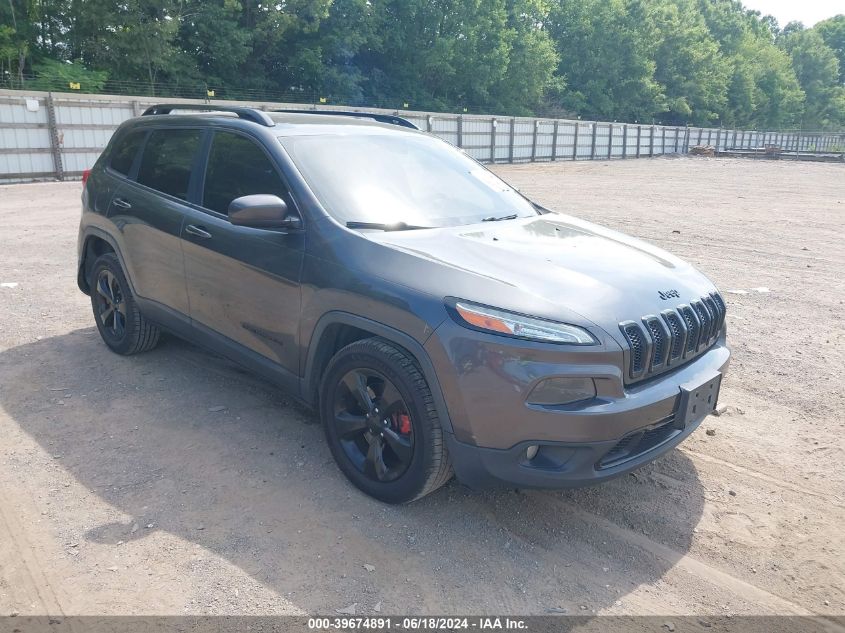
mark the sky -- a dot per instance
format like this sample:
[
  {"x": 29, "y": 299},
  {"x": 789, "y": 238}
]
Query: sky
[{"x": 807, "y": 11}]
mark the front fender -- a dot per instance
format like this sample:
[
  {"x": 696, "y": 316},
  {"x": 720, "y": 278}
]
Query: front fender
[{"x": 415, "y": 348}]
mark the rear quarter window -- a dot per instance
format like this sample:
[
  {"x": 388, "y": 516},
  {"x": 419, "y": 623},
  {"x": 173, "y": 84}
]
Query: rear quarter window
[
  {"x": 125, "y": 151},
  {"x": 168, "y": 159}
]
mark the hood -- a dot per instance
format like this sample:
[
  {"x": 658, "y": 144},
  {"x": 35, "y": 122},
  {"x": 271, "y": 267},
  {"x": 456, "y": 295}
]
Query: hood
[{"x": 555, "y": 264}]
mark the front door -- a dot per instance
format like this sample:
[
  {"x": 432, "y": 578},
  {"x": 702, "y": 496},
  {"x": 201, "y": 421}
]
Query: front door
[{"x": 243, "y": 283}]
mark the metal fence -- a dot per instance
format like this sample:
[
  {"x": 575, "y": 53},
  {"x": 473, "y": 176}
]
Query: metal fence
[{"x": 55, "y": 136}]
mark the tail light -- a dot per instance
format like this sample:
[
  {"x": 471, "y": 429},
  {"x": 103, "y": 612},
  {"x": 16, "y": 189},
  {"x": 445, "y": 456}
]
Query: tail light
[{"x": 85, "y": 174}]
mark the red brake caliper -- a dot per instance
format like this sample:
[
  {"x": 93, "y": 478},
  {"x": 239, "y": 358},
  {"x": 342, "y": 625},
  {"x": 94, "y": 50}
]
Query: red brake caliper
[{"x": 402, "y": 423}]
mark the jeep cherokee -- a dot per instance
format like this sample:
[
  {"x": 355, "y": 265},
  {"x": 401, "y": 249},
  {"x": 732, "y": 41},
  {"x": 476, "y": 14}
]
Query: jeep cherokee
[{"x": 439, "y": 321}]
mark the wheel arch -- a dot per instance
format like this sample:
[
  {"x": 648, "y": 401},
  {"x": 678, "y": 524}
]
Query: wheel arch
[
  {"x": 337, "y": 329},
  {"x": 95, "y": 244}
]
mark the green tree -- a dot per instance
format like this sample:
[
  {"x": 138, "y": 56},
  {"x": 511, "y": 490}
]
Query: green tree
[
  {"x": 17, "y": 38},
  {"x": 689, "y": 65},
  {"x": 817, "y": 69},
  {"x": 776, "y": 99},
  {"x": 438, "y": 53},
  {"x": 141, "y": 43},
  {"x": 284, "y": 55},
  {"x": 763, "y": 90},
  {"x": 340, "y": 76},
  {"x": 55, "y": 75},
  {"x": 211, "y": 35},
  {"x": 676, "y": 61},
  {"x": 607, "y": 65},
  {"x": 833, "y": 34},
  {"x": 532, "y": 59}
]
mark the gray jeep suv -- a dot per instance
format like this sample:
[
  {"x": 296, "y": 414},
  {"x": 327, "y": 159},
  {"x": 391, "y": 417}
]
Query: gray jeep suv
[{"x": 438, "y": 320}]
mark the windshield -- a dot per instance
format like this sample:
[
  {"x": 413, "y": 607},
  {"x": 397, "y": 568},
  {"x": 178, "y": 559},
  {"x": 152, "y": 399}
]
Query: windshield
[{"x": 401, "y": 178}]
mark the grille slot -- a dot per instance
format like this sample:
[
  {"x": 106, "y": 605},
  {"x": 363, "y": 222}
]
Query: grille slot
[
  {"x": 661, "y": 340},
  {"x": 716, "y": 314},
  {"x": 706, "y": 322},
  {"x": 720, "y": 305},
  {"x": 693, "y": 327},
  {"x": 678, "y": 331},
  {"x": 618, "y": 452},
  {"x": 635, "y": 340},
  {"x": 640, "y": 442},
  {"x": 659, "y": 343}
]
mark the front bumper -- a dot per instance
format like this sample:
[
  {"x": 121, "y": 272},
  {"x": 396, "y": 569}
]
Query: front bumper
[
  {"x": 558, "y": 464},
  {"x": 485, "y": 381}
]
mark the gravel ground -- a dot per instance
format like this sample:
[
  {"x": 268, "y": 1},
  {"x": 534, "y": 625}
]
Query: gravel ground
[{"x": 125, "y": 490}]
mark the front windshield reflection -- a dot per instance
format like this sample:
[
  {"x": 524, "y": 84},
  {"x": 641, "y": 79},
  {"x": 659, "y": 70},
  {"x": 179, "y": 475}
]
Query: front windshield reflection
[{"x": 387, "y": 177}]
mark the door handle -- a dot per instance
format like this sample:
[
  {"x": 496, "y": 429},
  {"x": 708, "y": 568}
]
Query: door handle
[
  {"x": 123, "y": 204},
  {"x": 197, "y": 231}
]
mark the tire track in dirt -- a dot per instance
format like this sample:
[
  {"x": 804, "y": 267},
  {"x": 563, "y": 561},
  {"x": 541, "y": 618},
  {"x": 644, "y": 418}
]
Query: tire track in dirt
[
  {"x": 828, "y": 499},
  {"x": 22, "y": 565},
  {"x": 697, "y": 568}
]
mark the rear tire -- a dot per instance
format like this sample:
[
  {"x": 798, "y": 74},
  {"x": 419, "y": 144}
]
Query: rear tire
[
  {"x": 122, "y": 326},
  {"x": 396, "y": 452}
]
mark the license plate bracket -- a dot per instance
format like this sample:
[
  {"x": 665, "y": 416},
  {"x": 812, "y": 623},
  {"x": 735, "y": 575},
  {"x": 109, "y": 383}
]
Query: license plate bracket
[{"x": 698, "y": 400}]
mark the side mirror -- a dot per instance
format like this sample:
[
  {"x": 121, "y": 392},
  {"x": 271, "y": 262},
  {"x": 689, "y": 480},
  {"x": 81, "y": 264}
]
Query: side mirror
[{"x": 263, "y": 211}]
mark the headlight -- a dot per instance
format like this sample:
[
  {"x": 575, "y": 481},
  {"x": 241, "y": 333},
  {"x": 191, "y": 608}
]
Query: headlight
[{"x": 510, "y": 324}]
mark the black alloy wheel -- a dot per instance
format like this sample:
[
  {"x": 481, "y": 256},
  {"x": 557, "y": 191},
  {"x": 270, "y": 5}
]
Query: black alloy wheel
[
  {"x": 122, "y": 326},
  {"x": 381, "y": 423},
  {"x": 373, "y": 425},
  {"x": 111, "y": 306}
]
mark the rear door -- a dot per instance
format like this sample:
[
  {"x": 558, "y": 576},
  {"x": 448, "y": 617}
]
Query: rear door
[
  {"x": 150, "y": 212},
  {"x": 243, "y": 283},
  {"x": 120, "y": 164}
]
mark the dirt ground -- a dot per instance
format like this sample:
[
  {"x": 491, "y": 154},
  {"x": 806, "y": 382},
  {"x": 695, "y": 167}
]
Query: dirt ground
[{"x": 124, "y": 491}]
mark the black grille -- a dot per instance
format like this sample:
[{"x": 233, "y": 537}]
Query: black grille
[
  {"x": 677, "y": 330},
  {"x": 683, "y": 332},
  {"x": 716, "y": 314},
  {"x": 716, "y": 298},
  {"x": 692, "y": 326},
  {"x": 706, "y": 321},
  {"x": 635, "y": 340},
  {"x": 639, "y": 442},
  {"x": 658, "y": 340}
]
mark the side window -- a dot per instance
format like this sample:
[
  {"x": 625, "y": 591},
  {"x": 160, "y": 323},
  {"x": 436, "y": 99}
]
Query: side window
[
  {"x": 168, "y": 157},
  {"x": 125, "y": 151},
  {"x": 238, "y": 167}
]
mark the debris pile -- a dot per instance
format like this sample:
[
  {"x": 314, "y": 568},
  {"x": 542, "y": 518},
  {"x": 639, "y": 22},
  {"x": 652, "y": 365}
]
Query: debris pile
[{"x": 702, "y": 150}]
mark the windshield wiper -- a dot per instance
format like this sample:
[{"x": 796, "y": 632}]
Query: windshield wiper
[
  {"x": 396, "y": 226},
  {"x": 493, "y": 218}
]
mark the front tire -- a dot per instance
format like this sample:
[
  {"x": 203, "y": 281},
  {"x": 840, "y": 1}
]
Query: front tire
[
  {"x": 381, "y": 423},
  {"x": 122, "y": 326}
]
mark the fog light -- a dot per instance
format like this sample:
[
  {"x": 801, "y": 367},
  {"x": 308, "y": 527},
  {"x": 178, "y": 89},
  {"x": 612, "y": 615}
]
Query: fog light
[
  {"x": 531, "y": 452},
  {"x": 562, "y": 390}
]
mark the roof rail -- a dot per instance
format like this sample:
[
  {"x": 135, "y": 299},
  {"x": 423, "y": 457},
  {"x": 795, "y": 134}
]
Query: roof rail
[
  {"x": 247, "y": 114},
  {"x": 381, "y": 118}
]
